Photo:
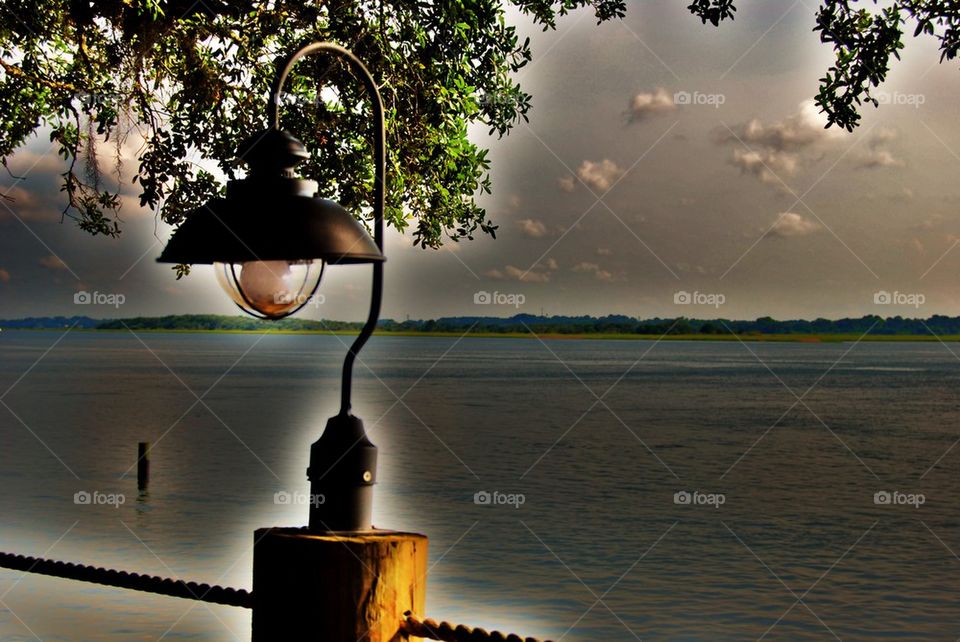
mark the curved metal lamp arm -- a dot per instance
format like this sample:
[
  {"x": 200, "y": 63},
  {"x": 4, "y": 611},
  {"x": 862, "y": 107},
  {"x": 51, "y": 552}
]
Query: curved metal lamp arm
[{"x": 379, "y": 187}]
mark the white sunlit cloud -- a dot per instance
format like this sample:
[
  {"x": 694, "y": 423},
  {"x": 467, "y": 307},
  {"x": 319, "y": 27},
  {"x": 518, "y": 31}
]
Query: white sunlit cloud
[
  {"x": 513, "y": 273},
  {"x": 598, "y": 272},
  {"x": 770, "y": 166},
  {"x": 646, "y": 104},
  {"x": 800, "y": 130},
  {"x": 540, "y": 273},
  {"x": 876, "y": 155},
  {"x": 599, "y": 176},
  {"x": 532, "y": 228},
  {"x": 879, "y": 158},
  {"x": 791, "y": 224},
  {"x": 777, "y": 150}
]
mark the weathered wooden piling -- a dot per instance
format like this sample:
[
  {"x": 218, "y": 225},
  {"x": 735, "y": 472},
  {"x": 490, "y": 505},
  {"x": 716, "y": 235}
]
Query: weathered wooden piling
[
  {"x": 336, "y": 586},
  {"x": 143, "y": 465}
]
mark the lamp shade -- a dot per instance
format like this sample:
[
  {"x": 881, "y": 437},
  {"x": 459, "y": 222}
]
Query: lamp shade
[
  {"x": 270, "y": 228},
  {"x": 271, "y": 216}
]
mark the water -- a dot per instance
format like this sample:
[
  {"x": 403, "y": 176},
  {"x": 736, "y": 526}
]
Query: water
[{"x": 598, "y": 550}]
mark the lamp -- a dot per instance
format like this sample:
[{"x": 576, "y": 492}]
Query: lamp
[{"x": 269, "y": 240}]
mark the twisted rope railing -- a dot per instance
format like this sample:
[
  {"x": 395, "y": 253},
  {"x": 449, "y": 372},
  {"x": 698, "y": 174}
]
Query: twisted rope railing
[
  {"x": 429, "y": 629},
  {"x": 134, "y": 581},
  {"x": 447, "y": 632}
]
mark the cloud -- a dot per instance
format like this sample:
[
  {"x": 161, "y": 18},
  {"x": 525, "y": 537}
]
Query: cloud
[
  {"x": 791, "y": 224},
  {"x": 770, "y": 166},
  {"x": 905, "y": 194},
  {"x": 800, "y": 130},
  {"x": 4, "y": 276},
  {"x": 567, "y": 183},
  {"x": 779, "y": 149},
  {"x": 876, "y": 156},
  {"x": 646, "y": 104},
  {"x": 683, "y": 266},
  {"x": 27, "y": 205},
  {"x": 52, "y": 262},
  {"x": 879, "y": 158},
  {"x": 26, "y": 161},
  {"x": 599, "y": 176},
  {"x": 511, "y": 273},
  {"x": 551, "y": 264},
  {"x": 532, "y": 228},
  {"x": 883, "y": 135},
  {"x": 598, "y": 272}
]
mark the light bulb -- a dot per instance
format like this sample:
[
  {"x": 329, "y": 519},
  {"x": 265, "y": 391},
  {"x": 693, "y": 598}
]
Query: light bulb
[{"x": 270, "y": 289}]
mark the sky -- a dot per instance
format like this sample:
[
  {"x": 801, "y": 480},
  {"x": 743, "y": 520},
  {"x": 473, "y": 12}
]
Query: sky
[{"x": 668, "y": 169}]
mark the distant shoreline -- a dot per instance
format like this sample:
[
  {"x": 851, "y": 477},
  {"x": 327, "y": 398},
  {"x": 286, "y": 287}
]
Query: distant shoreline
[
  {"x": 595, "y": 336},
  {"x": 525, "y": 326}
]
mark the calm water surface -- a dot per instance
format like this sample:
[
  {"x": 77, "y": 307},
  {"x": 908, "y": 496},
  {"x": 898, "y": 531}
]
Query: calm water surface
[{"x": 597, "y": 436}]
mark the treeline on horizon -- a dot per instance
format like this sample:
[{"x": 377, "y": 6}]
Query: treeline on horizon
[{"x": 522, "y": 324}]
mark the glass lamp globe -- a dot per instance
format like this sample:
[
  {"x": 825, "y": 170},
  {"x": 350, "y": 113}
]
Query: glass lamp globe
[{"x": 270, "y": 289}]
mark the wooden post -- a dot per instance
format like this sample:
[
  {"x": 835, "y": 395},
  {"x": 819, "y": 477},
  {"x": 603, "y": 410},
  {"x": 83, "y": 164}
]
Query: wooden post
[
  {"x": 143, "y": 465},
  {"x": 337, "y": 587}
]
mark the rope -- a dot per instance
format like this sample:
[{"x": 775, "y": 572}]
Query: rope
[
  {"x": 447, "y": 632},
  {"x": 428, "y": 629},
  {"x": 134, "y": 581}
]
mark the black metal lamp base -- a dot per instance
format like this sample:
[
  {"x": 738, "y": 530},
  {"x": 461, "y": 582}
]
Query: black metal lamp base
[{"x": 342, "y": 472}]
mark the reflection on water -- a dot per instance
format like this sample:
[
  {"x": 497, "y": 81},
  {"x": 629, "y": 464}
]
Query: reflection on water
[{"x": 597, "y": 441}]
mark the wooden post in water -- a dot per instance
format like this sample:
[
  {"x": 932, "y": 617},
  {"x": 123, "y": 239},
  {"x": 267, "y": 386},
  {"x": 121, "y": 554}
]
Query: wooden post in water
[
  {"x": 143, "y": 465},
  {"x": 336, "y": 587}
]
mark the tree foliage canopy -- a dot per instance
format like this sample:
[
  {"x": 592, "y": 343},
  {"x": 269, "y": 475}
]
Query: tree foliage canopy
[
  {"x": 865, "y": 36},
  {"x": 192, "y": 76}
]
